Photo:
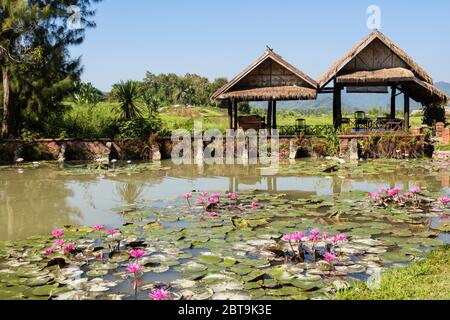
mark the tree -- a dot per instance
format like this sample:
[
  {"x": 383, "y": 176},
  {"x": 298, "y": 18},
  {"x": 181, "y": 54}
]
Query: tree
[
  {"x": 151, "y": 102},
  {"x": 86, "y": 94},
  {"x": 127, "y": 94},
  {"x": 433, "y": 113},
  {"x": 37, "y": 69}
]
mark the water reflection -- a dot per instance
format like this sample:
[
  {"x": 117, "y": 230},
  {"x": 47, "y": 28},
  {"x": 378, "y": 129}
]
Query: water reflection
[{"x": 41, "y": 199}]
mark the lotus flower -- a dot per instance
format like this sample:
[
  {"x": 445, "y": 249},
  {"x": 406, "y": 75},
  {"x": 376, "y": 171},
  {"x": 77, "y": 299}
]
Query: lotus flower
[
  {"x": 444, "y": 200},
  {"x": 393, "y": 192},
  {"x": 202, "y": 201},
  {"x": 134, "y": 268},
  {"x": 204, "y": 193},
  {"x": 329, "y": 257},
  {"x": 234, "y": 196},
  {"x": 58, "y": 233},
  {"x": 325, "y": 236},
  {"x": 187, "y": 195},
  {"x": 113, "y": 232},
  {"x": 255, "y": 205},
  {"x": 59, "y": 242},
  {"x": 212, "y": 214},
  {"x": 298, "y": 236},
  {"x": 137, "y": 253},
  {"x": 288, "y": 237},
  {"x": 159, "y": 294},
  {"x": 374, "y": 195},
  {"x": 216, "y": 195},
  {"x": 99, "y": 228},
  {"x": 315, "y": 232},
  {"x": 49, "y": 251},
  {"x": 339, "y": 238},
  {"x": 415, "y": 190},
  {"x": 213, "y": 201},
  {"x": 69, "y": 247},
  {"x": 314, "y": 238}
]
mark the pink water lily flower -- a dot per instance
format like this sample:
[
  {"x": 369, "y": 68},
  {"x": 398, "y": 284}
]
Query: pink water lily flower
[
  {"x": 298, "y": 236},
  {"x": 329, "y": 257},
  {"x": 213, "y": 201},
  {"x": 216, "y": 195},
  {"x": 49, "y": 251},
  {"x": 134, "y": 268},
  {"x": 99, "y": 228},
  {"x": 204, "y": 193},
  {"x": 69, "y": 247},
  {"x": 444, "y": 200},
  {"x": 339, "y": 238},
  {"x": 159, "y": 294},
  {"x": 187, "y": 195},
  {"x": 374, "y": 195},
  {"x": 325, "y": 236},
  {"x": 59, "y": 242},
  {"x": 137, "y": 253},
  {"x": 415, "y": 190},
  {"x": 234, "y": 196},
  {"x": 393, "y": 192},
  {"x": 58, "y": 233},
  {"x": 113, "y": 232},
  {"x": 202, "y": 201},
  {"x": 315, "y": 232},
  {"x": 255, "y": 205},
  {"x": 212, "y": 214},
  {"x": 314, "y": 238}
]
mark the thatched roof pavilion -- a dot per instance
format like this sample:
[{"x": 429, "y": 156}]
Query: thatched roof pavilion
[
  {"x": 377, "y": 62},
  {"x": 270, "y": 78}
]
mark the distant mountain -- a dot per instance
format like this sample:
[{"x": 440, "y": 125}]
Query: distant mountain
[{"x": 352, "y": 101}]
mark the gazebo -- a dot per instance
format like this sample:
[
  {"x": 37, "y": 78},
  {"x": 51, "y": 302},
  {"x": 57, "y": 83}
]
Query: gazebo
[
  {"x": 374, "y": 65},
  {"x": 270, "y": 78}
]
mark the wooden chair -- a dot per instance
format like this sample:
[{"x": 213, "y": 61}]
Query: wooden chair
[{"x": 361, "y": 121}]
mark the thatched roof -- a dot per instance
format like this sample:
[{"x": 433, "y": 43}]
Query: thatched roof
[
  {"x": 377, "y": 76},
  {"x": 269, "y": 77},
  {"x": 425, "y": 93},
  {"x": 375, "y": 35},
  {"x": 272, "y": 93}
]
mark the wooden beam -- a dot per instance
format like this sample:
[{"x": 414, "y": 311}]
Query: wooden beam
[
  {"x": 274, "y": 113},
  {"x": 235, "y": 107},
  {"x": 393, "y": 96},
  {"x": 230, "y": 114},
  {"x": 269, "y": 117},
  {"x": 337, "y": 106},
  {"x": 407, "y": 109}
]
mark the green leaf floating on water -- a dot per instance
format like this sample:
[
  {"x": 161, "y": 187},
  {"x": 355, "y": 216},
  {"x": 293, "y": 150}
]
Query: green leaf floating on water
[{"x": 240, "y": 223}]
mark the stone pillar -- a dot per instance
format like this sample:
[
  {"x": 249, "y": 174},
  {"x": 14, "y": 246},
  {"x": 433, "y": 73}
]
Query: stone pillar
[
  {"x": 353, "y": 149},
  {"x": 293, "y": 148},
  {"x": 62, "y": 153}
]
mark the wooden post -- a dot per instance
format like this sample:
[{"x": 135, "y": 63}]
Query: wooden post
[
  {"x": 230, "y": 114},
  {"x": 274, "y": 114},
  {"x": 269, "y": 118},
  {"x": 393, "y": 96},
  {"x": 337, "y": 105},
  {"x": 235, "y": 107},
  {"x": 407, "y": 108}
]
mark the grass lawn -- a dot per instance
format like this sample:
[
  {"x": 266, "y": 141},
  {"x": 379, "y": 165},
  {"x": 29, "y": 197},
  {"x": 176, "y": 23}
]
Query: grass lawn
[{"x": 428, "y": 279}]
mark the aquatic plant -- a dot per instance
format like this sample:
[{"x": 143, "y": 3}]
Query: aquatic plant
[
  {"x": 99, "y": 228},
  {"x": 59, "y": 242},
  {"x": 49, "y": 251},
  {"x": 159, "y": 294},
  {"x": 188, "y": 196},
  {"x": 58, "y": 233},
  {"x": 212, "y": 214}
]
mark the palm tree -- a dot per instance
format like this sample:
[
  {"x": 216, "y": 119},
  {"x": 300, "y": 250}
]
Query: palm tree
[{"x": 127, "y": 93}]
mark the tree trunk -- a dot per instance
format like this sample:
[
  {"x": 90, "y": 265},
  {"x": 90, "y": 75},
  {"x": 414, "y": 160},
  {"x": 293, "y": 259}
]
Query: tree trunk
[{"x": 8, "y": 117}]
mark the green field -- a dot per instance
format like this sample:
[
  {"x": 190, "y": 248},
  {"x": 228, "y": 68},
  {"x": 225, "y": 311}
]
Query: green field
[{"x": 85, "y": 121}]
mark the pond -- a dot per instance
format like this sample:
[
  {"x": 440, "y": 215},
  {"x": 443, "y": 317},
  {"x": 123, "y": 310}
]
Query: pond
[{"x": 234, "y": 249}]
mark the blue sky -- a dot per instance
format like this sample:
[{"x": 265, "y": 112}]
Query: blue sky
[{"x": 218, "y": 38}]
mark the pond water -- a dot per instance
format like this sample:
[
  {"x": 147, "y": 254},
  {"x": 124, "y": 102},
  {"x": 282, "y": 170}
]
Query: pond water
[
  {"x": 238, "y": 254},
  {"x": 37, "y": 200}
]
